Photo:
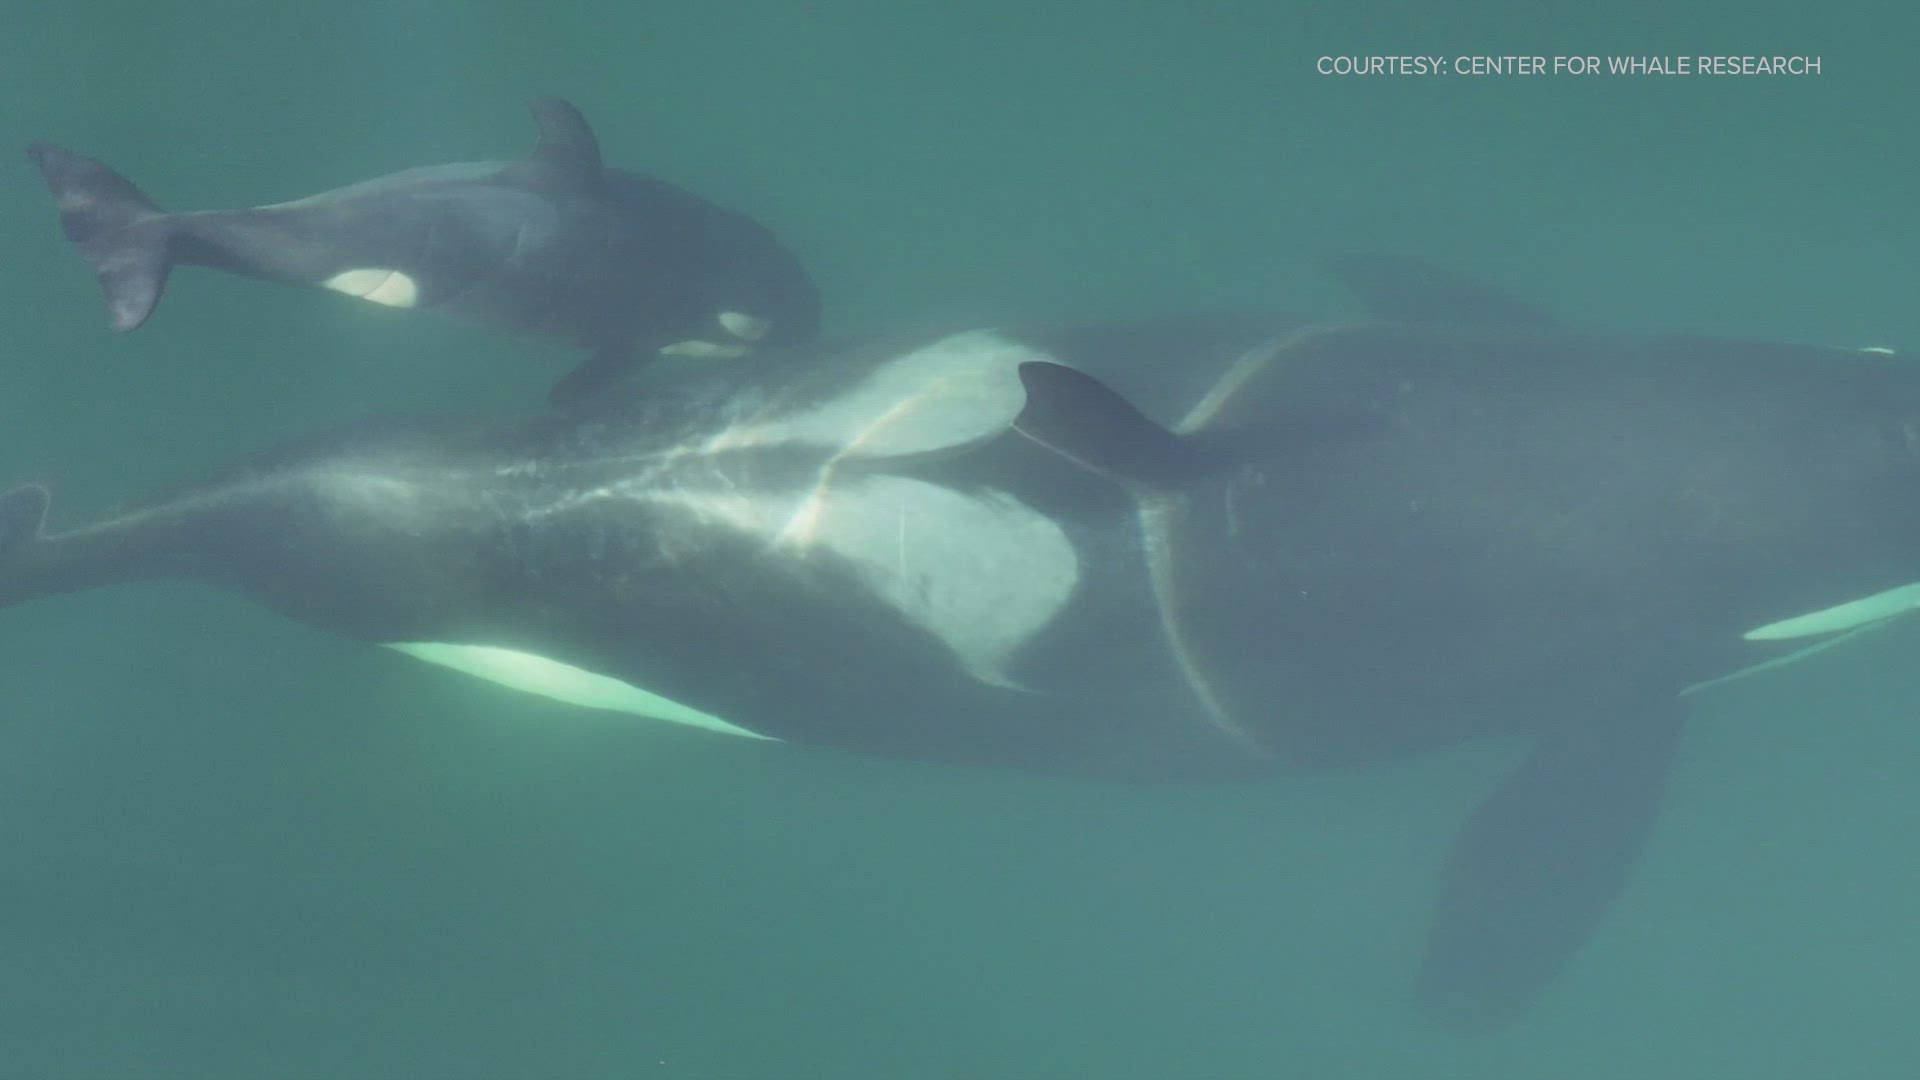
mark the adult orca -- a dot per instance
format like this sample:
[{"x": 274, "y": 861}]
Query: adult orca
[
  {"x": 622, "y": 264},
  {"x": 1166, "y": 550}
]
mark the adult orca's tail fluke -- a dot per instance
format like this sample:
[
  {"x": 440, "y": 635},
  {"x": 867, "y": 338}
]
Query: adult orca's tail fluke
[
  {"x": 122, "y": 235},
  {"x": 35, "y": 563}
]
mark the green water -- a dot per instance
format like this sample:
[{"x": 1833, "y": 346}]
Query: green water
[{"x": 234, "y": 847}]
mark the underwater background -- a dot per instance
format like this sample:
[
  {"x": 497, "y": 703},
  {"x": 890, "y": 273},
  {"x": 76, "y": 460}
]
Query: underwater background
[{"x": 231, "y": 846}]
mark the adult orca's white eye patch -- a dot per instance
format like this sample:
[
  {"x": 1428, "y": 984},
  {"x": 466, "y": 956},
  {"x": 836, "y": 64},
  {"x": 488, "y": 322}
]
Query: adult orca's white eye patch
[
  {"x": 743, "y": 326},
  {"x": 390, "y": 288}
]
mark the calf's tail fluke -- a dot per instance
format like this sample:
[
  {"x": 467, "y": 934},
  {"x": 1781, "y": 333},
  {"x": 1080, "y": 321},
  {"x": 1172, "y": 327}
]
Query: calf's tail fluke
[{"x": 122, "y": 235}]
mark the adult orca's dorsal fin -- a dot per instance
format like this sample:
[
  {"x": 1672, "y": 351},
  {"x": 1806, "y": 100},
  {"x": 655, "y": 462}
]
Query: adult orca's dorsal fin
[
  {"x": 1081, "y": 419},
  {"x": 567, "y": 151},
  {"x": 1398, "y": 288}
]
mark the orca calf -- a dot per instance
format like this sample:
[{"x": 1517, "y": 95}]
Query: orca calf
[
  {"x": 621, "y": 264},
  {"x": 1149, "y": 551}
]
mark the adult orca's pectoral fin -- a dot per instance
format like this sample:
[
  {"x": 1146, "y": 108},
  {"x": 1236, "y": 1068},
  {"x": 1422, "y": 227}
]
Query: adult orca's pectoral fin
[
  {"x": 1078, "y": 417},
  {"x": 567, "y": 154},
  {"x": 1398, "y": 288},
  {"x": 1537, "y": 864},
  {"x": 598, "y": 371}
]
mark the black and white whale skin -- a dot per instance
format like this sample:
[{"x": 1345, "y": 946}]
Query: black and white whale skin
[
  {"x": 1308, "y": 548},
  {"x": 622, "y": 264}
]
